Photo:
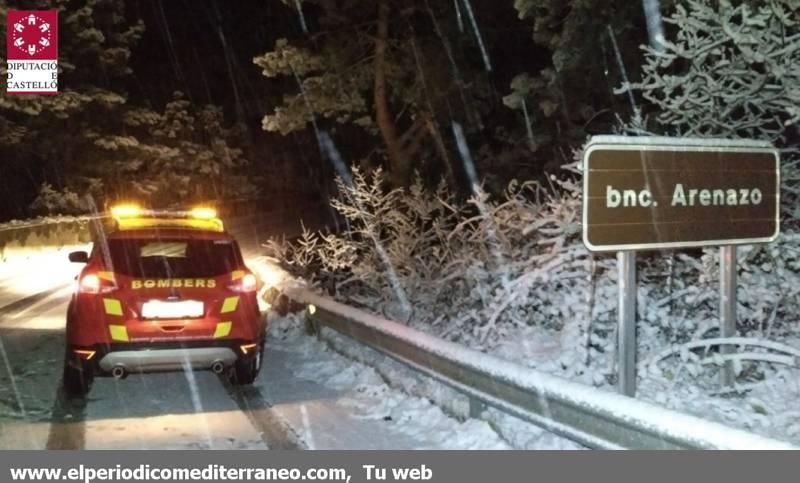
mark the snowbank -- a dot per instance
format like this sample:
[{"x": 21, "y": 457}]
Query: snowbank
[
  {"x": 349, "y": 405},
  {"x": 639, "y": 414},
  {"x": 552, "y": 390}
]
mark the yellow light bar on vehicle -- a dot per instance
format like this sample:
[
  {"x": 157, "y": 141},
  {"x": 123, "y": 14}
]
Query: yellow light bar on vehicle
[
  {"x": 213, "y": 224},
  {"x": 204, "y": 213},
  {"x": 130, "y": 217},
  {"x": 125, "y": 211}
]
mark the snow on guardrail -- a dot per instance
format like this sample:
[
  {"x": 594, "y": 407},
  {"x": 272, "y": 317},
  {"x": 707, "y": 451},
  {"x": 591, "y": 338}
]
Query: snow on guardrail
[
  {"x": 585, "y": 414},
  {"x": 33, "y": 254},
  {"x": 21, "y": 241}
]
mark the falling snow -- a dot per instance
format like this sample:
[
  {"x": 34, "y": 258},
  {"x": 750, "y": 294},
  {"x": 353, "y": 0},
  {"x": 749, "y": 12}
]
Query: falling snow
[{"x": 416, "y": 161}]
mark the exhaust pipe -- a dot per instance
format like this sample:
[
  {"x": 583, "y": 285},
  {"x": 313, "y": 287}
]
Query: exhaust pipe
[
  {"x": 218, "y": 367},
  {"x": 118, "y": 372}
]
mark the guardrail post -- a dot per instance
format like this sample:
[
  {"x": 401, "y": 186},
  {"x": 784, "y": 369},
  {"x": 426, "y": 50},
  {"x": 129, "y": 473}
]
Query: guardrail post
[
  {"x": 727, "y": 309},
  {"x": 313, "y": 326},
  {"x": 476, "y": 407},
  {"x": 626, "y": 325}
]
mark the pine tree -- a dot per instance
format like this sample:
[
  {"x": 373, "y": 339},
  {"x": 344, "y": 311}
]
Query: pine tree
[
  {"x": 50, "y": 134},
  {"x": 181, "y": 155},
  {"x": 730, "y": 72},
  {"x": 387, "y": 68},
  {"x": 576, "y": 87},
  {"x": 89, "y": 140}
]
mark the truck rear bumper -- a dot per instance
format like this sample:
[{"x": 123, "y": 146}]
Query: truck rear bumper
[{"x": 199, "y": 358}]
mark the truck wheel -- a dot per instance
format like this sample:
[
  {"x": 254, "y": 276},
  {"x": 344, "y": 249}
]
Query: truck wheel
[
  {"x": 77, "y": 382},
  {"x": 245, "y": 371}
]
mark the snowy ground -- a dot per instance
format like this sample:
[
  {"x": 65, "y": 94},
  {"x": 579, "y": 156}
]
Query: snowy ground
[
  {"x": 139, "y": 412},
  {"x": 356, "y": 408},
  {"x": 767, "y": 406},
  {"x": 517, "y": 433},
  {"x": 36, "y": 270},
  {"x": 307, "y": 396},
  {"x": 359, "y": 364}
]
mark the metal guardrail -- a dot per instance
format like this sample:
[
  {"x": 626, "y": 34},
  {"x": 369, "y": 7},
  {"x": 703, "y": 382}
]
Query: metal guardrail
[
  {"x": 18, "y": 238},
  {"x": 239, "y": 215},
  {"x": 594, "y": 418},
  {"x": 48, "y": 221}
]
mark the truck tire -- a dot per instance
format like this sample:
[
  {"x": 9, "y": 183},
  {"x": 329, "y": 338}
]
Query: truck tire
[
  {"x": 77, "y": 382},
  {"x": 245, "y": 371}
]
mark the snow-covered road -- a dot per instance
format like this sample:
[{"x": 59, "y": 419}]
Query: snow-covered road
[
  {"x": 306, "y": 396},
  {"x": 155, "y": 411}
]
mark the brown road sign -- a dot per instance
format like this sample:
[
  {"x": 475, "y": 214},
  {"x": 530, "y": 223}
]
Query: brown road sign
[{"x": 644, "y": 193}]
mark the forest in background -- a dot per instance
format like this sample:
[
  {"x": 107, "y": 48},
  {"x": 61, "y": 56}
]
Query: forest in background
[
  {"x": 176, "y": 102},
  {"x": 173, "y": 102}
]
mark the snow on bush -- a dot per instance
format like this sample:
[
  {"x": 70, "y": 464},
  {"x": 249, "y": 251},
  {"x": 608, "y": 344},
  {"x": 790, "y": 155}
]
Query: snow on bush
[
  {"x": 471, "y": 273},
  {"x": 730, "y": 71},
  {"x": 484, "y": 271}
]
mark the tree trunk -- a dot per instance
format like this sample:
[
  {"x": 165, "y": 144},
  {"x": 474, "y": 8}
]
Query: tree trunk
[
  {"x": 441, "y": 149},
  {"x": 398, "y": 160}
]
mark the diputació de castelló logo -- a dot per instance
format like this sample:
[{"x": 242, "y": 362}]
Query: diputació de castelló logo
[{"x": 32, "y": 46}]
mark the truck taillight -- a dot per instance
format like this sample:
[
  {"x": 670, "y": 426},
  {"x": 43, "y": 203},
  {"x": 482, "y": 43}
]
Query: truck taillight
[
  {"x": 91, "y": 283},
  {"x": 246, "y": 283}
]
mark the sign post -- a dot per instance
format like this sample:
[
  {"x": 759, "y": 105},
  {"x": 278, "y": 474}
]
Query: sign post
[
  {"x": 655, "y": 193},
  {"x": 727, "y": 308},
  {"x": 626, "y": 326}
]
